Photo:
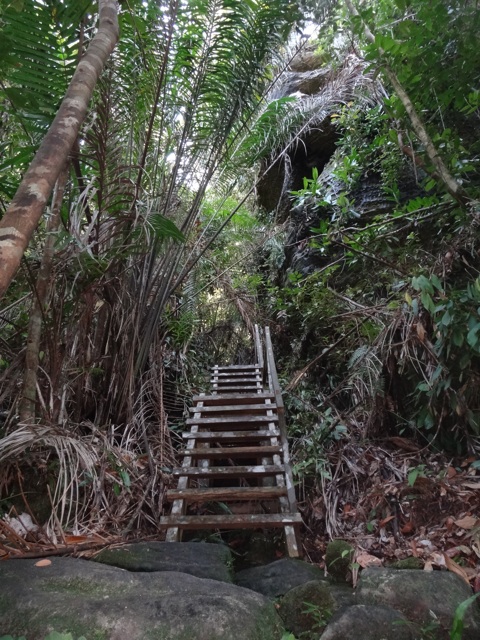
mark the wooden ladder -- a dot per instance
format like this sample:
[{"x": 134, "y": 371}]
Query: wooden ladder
[{"x": 237, "y": 453}]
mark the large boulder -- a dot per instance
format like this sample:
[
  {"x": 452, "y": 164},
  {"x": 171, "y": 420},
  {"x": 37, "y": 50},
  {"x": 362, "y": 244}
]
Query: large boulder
[
  {"x": 276, "y": 578},
  {"x": 422, "y": 597},
  {"x": 212, "y": 561},
  {"x": 362, "y": 622},
  {"x": 107, "y": 603},
  {"x": 308, "y": 607}
]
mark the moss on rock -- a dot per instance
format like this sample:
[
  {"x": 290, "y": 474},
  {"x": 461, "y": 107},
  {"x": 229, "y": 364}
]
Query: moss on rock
[
  {"x": 338, "y": 559},
  {"x": 306, "y": 609}
]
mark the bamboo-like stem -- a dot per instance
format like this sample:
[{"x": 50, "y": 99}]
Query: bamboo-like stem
[{"x": 42, "y": 287}]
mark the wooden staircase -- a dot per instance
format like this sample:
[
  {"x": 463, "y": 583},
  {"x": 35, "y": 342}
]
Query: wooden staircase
[{"x": 237, "y": 454}]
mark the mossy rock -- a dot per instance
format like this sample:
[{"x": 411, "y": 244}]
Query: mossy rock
[
  {"x": 407, "y": 563},
  {"x": 107, "y": 603},
  {"x": 338, "y": 558},
  {"x": 306, "y": 609}
]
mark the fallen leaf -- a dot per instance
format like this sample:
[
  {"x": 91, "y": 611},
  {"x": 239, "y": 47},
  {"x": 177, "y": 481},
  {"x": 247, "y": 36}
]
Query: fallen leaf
[
  {"x": 408, "y": 527},
  {"x": 471, "y": 485},
  {"x": 421, "y": 331},
  {"x": 451, "y": 472},
  {"x": 468, "y": 522},
  {"x": 456, "y": 568},
  {"x": 367, "y": 560},
  {"x": 43, "y": 563},
  {"x": 383, "y": 522},
  {"x": 461, "y": 548},
  {"x": 78, "y": 539},
  {"x": 428, "y": 566}
]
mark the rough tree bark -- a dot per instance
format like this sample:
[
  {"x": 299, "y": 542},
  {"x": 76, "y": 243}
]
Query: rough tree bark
[
  {"x": 450, "y": 184},
  {"x": 26, "y": 208}
]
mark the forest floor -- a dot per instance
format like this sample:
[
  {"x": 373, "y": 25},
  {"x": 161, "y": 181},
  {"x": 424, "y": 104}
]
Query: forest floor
[
  {"x": 394, "y": 501},
  {"x": 391, "y": 500}
]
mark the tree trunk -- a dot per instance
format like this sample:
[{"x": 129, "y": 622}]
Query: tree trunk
[
  {"x": 26, "y": 208},
  {"x": 451, "y": 185},
  {"x": 40, "y": 297}
]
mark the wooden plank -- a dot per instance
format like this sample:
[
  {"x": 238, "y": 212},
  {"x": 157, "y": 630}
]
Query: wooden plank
[
  {"x": 223, "y": 381},
  {"x": 225, "y": 436},
  {"x": 234, "y": 521},
  {"x": 236, "y": 374},
  {"x": 233, "y": 407},
  {"x": 238, "y": 389},
  {"x": 235, "y": 367},
  {"x": 233, "y": 397},
  {"x": 234, "y": 419},
  {"x": 235, "y": 452},
  {"x": 292, "y": 534},
  {"x": 226, "y": 494},
  {"x": 231, "y": 472}
]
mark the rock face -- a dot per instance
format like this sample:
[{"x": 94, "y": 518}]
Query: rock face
[
  {"x": 308, "y": 607},
  {"x": 421, "y": 596},
  {"x": 210, "y": 561},
  {"x": 107, "y": 603},
  {"x": 153, "y": 600},
  {"x": 277, "y": 578},
  {"x": 375, "y": 623}
]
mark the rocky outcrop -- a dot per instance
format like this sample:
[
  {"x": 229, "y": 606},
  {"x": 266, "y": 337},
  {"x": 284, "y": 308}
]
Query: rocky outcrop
[
  {"x": 278, "y": 577},
  {"x": 108, "y": 603},
  {"x": 154, "y": 600},
  {"x": 211, "y": 561}
]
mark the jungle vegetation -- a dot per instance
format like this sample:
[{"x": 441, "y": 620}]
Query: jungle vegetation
[{"x": 149, "y": 257}]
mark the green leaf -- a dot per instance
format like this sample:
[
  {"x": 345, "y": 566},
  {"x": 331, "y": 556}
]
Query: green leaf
[
  {"x": 427, "y": 302},
  {"x": 457, "y": 626},
  {"x": 165, "y": 228},
  {"x": 125, "y": 478}
]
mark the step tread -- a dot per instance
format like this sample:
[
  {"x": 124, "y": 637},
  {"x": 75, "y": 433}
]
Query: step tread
[
  {"x": 231, "y": 419},
  {"x": 235, "y": 367},
  {"x": 234, "y": 407},
  {"x": 237, "y": 471},
  {"x": 233, "y": 521},
  {"x": 226, "y": 494},
  {"x": 233, "y": 452},
  {"x": 234, "y": 396},
  {"x": 260, "y": 434}
]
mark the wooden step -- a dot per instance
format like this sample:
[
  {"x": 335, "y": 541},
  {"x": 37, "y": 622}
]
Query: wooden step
[
  {"x": 230, "y": 408},
  {"x": 244, "y": 388},
  {"x": 233, "y": 398},
  {"x": 234, "y": 380},
  {"x": 236, "y": 521},
  {"x": 226, "y": 494},
  {"x": 234, "y": 419},
  {"x": 231, "y": 472},
  {"x": 232, "y": 436},
  {"x": 227, "y": 374},
  {"x": 233, "y": 452},
  {"x": 236, "y": 367}
]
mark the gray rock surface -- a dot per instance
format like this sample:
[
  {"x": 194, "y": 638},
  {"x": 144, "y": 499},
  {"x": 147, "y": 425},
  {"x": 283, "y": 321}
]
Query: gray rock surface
[
  {"x": 363, "y": 622},
  {"x": 106, "y": 603},
  {"x": 418, "y": 595},
  {"x": 212, "y": 561},
  {"x": 276, "y": 578},
  {"x": 307, "y": 608}
]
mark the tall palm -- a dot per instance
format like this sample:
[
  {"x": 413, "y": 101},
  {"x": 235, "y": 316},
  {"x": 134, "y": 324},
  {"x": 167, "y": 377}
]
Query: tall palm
[{"x": 176, "y": 92}]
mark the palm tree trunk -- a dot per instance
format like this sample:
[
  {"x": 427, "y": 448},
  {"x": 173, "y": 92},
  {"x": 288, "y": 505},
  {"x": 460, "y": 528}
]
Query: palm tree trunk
[
  {"x": 22, "y": 216},
  {"x": 450, "y": 184}
]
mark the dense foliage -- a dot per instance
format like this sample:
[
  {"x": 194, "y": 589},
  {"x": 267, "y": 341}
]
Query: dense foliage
[{"x": 159, "y": 256}]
